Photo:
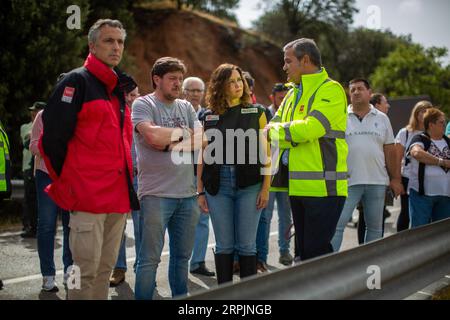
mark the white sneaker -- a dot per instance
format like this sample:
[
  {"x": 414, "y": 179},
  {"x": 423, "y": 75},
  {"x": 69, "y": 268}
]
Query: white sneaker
[{"x": 49, "y": 284}]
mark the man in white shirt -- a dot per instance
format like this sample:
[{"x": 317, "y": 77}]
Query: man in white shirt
[{"x": 371, "y": 162}]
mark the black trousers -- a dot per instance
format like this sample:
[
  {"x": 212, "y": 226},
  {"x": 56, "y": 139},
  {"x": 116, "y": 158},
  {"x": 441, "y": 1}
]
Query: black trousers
[
  {"x": 315, "y": 221},
  {"x": 30, "y": 214},
  {"x": 403, "y": 217}
]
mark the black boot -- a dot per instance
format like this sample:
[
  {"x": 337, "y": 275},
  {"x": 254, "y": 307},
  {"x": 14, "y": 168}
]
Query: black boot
[
  {"x": 224, "y": 267},
  {"x": 248, "y": 265}
]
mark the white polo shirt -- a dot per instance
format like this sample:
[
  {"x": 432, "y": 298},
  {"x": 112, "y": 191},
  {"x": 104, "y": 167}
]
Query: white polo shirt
[{"x": 366, "y": 139}]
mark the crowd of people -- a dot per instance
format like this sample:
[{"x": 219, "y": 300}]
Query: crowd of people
[{"x": 97, "y": 151}]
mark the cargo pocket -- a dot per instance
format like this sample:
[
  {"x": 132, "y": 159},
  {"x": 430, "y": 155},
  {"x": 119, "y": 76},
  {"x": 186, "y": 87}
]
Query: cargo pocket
[{"x": 83, "y": 244}]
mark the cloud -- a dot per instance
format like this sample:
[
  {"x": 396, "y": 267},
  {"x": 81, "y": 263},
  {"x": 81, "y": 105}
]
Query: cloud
[{"x": 410, "y": 7}]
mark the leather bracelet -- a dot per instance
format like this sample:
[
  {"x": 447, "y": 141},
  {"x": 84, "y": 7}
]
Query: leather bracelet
[{"x": 201, "y": 193}]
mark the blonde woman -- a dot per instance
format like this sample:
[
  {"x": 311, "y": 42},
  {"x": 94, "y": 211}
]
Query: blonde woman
[{"x": 402, "y": 141}]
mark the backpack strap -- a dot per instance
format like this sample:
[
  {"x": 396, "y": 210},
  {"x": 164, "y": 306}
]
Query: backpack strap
[{"x": 425, "y": 139}]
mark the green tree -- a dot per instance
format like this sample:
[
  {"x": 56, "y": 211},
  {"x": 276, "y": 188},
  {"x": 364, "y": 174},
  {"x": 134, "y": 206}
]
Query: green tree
[
  {"x": 37, "y": 46},
  {"x": 357, "y": 53},
  {"x": 118, "y": 9},
  {"x": 412, "y": 70},
  {"x": 345, "y": 53},
  {"x": 219, "y": 8},
  {"x": 295, "y": 17}
]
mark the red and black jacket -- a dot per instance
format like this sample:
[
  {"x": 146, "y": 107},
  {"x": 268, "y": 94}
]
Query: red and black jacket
[{"x": 87, "y": 139}]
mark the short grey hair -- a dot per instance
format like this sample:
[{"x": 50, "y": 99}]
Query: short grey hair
[
  {"x": 305, "y": 46},
  {"x": 189, "y": 80},
  {"x": 95, "y": 29}
]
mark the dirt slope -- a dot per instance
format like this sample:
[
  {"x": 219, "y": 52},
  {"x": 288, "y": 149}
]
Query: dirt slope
[{"x": 202, "y": 44}]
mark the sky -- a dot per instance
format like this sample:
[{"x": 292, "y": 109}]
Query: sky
[{"x": 427, "y": 21}]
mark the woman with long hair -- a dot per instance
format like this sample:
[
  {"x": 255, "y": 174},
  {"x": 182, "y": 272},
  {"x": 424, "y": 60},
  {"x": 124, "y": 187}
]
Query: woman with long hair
[
  {"x": 402, "y": 141},
  {"x": 233, "y": 185}
]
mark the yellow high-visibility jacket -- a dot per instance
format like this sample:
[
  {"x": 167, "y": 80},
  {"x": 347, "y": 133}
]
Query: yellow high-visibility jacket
[
  {"x": 312, "y": 127},
  {"x": 4, "y": 158}
]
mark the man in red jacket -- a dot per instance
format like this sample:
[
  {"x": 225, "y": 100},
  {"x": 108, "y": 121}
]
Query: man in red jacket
[{"x": 86, "y": 147}]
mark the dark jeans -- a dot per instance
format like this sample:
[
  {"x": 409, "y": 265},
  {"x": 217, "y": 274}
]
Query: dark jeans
[
  {"x": 315, "y": 221},
  {"x": 30, "y": 215},
  {"x": 48, "y": 216}
]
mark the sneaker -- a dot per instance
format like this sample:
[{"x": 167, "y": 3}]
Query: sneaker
[
  {"x": 117, "y": 277},
  {"x": 261, "y": 266},
  {"x": 286, "y": 259},
  {"x": 203, "y": 270},
  {"x": 49, "y": 284}
]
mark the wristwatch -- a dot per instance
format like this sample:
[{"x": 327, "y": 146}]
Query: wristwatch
[{"x": 201, "y": 193}]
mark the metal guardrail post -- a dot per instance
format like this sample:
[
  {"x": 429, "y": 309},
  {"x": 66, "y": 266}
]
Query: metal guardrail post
[
  {"x": 408, "y": 261},
  {"x": 18, "y": 190}
]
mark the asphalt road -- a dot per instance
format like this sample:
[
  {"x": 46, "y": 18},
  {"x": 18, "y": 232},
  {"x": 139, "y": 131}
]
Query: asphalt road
[{"x": 20, "y": 272}]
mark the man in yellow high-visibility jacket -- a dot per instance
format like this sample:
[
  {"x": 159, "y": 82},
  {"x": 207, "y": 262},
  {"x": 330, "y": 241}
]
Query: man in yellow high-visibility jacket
[{"x": 309, "y": 130}]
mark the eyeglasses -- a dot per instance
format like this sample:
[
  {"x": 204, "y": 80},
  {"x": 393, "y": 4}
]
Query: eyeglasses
[{"x": 194, "y": 90}]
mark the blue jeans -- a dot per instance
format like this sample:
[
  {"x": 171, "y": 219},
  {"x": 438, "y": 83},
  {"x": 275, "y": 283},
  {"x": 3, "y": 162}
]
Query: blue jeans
[
  {"x": 372, "y": 197},
  {"x": 201, "y": 240},
  {"x": 427, "y": 209},
  {"x": 201, "y": 237},
  {"x": 284, "y": 222},
  {"x": 47, "y": 221},
  {"x": 234, "y": 215},
  {"x": 160, "y": 214},
  {"x": 137, "y": 227}
]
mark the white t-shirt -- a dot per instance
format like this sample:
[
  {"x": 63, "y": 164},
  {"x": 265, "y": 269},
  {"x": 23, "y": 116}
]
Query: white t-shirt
[
  {"x": 405, "y": 142},
  {"x": 366, "y": 139},
  {"x": 436, "y": 180}
]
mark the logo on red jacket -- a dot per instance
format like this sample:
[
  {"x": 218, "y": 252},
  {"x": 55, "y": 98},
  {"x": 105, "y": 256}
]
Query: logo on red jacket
[{"x": 68, "y": 94}]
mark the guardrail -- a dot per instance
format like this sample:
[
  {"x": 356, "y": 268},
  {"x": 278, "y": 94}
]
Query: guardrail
[
  {"x": 18, "y": 190},
  {"x": 392, "y": 268}
]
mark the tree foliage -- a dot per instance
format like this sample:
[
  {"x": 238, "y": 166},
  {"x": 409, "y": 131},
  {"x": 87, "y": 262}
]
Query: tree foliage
[
  {"x": 412, "y": 70},
  {"x": 36, "y": 47},
  {"x": 346, "y": 53},
  {"x": 294, "y": 17},
  {"x": 219, "y": 8},
  {"x": 358, "y": 52}
]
